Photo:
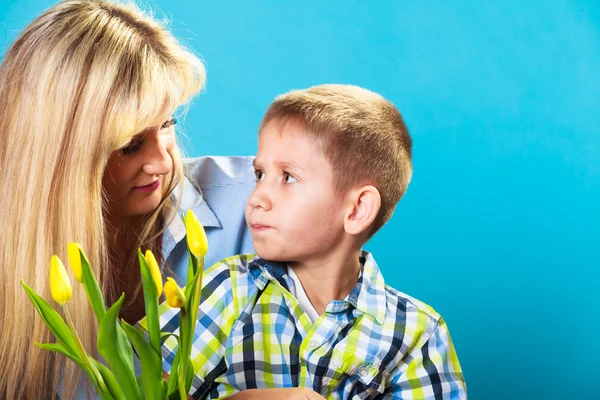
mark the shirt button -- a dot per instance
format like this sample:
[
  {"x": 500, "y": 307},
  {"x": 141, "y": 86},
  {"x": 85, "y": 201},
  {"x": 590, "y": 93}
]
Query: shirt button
[
  {"x": 363, "y": 372},
  {"x": 313, "y": 344},
  {"x": 289, "y": 302}
]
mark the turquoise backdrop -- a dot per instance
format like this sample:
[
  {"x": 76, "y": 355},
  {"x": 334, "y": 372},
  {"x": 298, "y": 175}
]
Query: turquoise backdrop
[{"x": 499, "y": 230}]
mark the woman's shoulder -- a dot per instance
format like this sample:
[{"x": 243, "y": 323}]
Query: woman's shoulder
[{"x": 209, "y": 171}]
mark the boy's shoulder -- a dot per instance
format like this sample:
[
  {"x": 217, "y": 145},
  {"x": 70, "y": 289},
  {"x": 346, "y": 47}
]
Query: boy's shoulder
[
  {"x": 402, "y": 311},
  {"x": 402, "y": 303}
]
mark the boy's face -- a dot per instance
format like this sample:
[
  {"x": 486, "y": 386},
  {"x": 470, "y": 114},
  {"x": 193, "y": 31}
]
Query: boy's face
[{"x": 293, "y": 212}]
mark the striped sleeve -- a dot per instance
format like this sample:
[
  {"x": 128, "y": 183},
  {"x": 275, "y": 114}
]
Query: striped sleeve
[{"x": 434, "y": 372}]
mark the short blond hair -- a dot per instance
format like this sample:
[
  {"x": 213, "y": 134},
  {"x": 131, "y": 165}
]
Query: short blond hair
[{"x": 362, "y": 135}]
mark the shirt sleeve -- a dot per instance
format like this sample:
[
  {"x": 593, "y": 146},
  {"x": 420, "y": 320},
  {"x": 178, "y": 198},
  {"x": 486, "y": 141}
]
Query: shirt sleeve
[
  {"x": 434, "y": 372},
  {"x": 214, "y": 323}
]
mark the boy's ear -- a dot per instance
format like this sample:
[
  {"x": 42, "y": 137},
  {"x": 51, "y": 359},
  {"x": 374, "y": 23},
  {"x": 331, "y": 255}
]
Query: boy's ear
[{"x": 364, "y": 204}]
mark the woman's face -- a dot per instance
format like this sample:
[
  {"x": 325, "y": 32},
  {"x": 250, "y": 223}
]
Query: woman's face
[{"x": 133, "y": 180}]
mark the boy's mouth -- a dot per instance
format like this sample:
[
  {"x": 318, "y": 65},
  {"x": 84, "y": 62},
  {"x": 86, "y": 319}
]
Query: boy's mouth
[{"x": 258, "y": 228}]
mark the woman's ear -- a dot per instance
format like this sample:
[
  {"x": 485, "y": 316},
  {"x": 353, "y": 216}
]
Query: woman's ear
[{"x": 363, "y": 206}]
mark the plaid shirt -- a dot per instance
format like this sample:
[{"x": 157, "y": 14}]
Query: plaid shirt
[{"x": 376, "y": 343}]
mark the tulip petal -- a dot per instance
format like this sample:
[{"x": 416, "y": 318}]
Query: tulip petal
[
  {"x": 195, "y": 235},
  {"x": 155, "y": 271},
  {"x": 73, "y": 250},
  {"x": 60, "y": 284},
  {"x": 150, "y": 302},
  {"x": 174, "y": 294}
]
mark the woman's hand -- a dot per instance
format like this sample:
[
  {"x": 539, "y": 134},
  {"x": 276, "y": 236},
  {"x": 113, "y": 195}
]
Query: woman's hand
[{"x": 276, "y": 394}]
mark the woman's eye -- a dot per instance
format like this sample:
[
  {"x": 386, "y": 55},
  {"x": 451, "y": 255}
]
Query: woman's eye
[
  {"x": 259, "y": 175},
  {"x": 132, "y": 147},
  {"x": 168, "y": 123},
  {"x": 287, "y": 178}
]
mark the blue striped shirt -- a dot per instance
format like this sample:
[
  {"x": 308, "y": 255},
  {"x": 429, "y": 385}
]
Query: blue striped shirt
[{"x": 216, "y": 189}]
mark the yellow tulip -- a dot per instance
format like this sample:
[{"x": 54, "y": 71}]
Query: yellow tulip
[
  {"x": 196, "y": 236},
  {"x": 73, "y": 250},
  {"x": 155, "y": 271},
  {"x": 174, "y": 294},
  {"x": 60, "y": 285}
]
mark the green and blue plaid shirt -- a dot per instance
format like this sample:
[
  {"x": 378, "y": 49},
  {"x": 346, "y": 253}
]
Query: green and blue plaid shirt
[{"x": 376, "y": 343}]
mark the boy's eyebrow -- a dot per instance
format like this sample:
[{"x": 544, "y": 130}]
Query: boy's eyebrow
[
  {"x": 281, "y": 164},
  {"x": 287, "y": 165}
]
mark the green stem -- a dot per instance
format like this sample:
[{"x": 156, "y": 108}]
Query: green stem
[
  {"x": 82, "y": 352},
  {"x": 182, "y": 358}
]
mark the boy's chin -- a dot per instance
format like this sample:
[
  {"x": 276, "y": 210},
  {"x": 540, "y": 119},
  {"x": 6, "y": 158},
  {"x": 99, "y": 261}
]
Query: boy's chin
[{"x": 272, "y": 255}]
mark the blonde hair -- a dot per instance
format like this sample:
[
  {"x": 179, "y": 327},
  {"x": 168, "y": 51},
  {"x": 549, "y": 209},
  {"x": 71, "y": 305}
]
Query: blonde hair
[
  {"x": 362, "y": 135},
  {"x": 76, "y": 85}
]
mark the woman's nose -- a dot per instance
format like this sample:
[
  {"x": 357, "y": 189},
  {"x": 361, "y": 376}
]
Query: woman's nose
[{"x": 159, "y": 161}]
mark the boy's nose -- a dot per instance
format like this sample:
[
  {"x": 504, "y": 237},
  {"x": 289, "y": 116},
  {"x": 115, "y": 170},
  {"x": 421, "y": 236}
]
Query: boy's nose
[{"x": 260, "y": 198}]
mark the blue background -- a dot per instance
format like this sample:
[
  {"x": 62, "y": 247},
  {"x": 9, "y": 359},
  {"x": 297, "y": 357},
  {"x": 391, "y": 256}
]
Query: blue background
[{"x": 499, "y": 229}]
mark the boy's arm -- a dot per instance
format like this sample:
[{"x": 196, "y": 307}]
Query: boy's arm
[
  {"x": 277, "y": 394},
  {"x": 434, "y": 371},
  {"x": 214, "y": 322}
]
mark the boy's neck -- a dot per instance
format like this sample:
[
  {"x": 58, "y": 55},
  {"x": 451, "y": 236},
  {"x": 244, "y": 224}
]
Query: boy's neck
[{"x": 329, "y": 278}]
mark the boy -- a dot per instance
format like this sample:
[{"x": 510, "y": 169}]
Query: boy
[{"x": 311, "y": 309}]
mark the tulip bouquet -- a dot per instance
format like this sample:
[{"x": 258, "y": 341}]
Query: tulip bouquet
[{"x": 116, "y": 338}]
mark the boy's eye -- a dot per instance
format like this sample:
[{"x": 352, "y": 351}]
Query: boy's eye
[
  {"x": 259, "y": 175},
  {"x": 133, "y": 147},
  {"x": 168, "y": 123},
  {"x": 287, "y": 178}
]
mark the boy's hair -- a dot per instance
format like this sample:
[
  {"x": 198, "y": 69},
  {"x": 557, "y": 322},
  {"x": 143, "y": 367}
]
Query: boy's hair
[{"x": 361, "y": 134}]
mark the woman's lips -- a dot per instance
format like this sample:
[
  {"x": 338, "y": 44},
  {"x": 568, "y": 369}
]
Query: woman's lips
[{"x": 149, "y": 188}]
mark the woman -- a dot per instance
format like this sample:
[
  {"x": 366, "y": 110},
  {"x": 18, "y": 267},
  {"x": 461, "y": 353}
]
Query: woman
[{"x": 88, "y": 154}]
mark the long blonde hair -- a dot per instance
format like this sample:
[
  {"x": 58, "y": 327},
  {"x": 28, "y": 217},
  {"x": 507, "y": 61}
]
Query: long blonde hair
[{"x": 76, "y": 85}]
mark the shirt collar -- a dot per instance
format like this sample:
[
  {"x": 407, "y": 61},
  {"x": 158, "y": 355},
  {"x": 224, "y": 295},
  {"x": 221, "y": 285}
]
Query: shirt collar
[
  {"x": 368, "y": 295},
  {"x": 191, "y": 199},
  {"x": 263, "y": 271}
]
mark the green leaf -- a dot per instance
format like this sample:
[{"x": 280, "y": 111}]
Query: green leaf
[
  {"x": 59, "y": 348},
  {"x": 192, "y": 270},
  {"x": 173, "y": 377},
  {"x": 197, "y": 292},
  {"x": 189, "y": 376},
  {"x": 105, "y": 396},
  {"x": 113, "y": 345},
  {"x": 111, "y": 382},
  {"x": 185, "y": 345},
  {"x": 165, "y": 335},
  {"x": 151, "y": 303},
  {"x": 151, "y": 378},
  {"x": 188, "y": 319},
  {"x": 53, "y": 321},
  {"x": 173, "y": 386},
  {"x": 92, "y": 289}
]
